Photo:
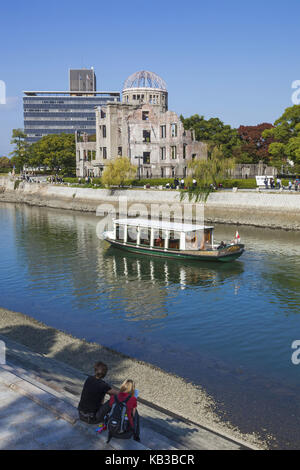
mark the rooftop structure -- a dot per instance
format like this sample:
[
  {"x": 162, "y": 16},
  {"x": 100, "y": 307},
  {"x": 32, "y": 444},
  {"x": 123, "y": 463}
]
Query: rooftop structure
[
  {"x": 145, "y": 79},
  {"x": 145, "y": 87},
  {"x": 82, "y": 80}
]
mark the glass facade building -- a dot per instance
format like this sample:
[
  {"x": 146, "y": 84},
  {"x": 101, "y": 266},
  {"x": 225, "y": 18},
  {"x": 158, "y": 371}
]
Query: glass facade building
[{"x": 57, "y": 112}]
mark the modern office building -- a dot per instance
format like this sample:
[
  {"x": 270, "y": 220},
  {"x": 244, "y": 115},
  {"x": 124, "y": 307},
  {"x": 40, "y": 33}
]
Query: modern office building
[{"x": 55, "y": 112}]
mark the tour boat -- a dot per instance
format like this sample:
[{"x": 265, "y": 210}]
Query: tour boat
[{"x": 171, "y": 240}]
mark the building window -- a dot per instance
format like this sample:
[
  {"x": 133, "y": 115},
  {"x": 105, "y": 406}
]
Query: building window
[
  {"x": 163, "y": 132},
  {"x": 173, "y": 172},
  {"x": 145, "y": 115},
  {"x": 146, "y": 136},
  {"x": 162, "y": 172},
  {"x": 119, "y": 151},
  {"x": 194, "y": 156},
  {"x": 184, "y": 151},
  {"x": 93, "y": 154},
  {"x": 174, "y": 130},
  {"x": 146, "y": 158},
  {"x": 134, "y": 97},
  {"x": 104, "y": 152},
  {"x": 162, "y": 153},
  {"x": 173, "y": 152},
  {"x": 103, "y": 131}
]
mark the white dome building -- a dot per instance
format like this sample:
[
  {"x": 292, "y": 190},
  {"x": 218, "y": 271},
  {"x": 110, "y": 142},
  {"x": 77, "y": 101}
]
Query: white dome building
[{"x": 145, "y": 87}]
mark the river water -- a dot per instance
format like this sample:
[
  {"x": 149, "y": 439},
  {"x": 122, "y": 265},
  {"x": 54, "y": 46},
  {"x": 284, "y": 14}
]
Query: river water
[{"x": 227, "y": 327}]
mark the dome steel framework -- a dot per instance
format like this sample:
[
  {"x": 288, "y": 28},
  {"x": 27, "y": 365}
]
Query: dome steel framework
[{"x": 145, "y": 79}]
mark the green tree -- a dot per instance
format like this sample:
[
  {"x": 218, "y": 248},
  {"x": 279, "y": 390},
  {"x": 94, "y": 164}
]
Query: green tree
[
  {"x": 119, "y": 172},
  {"x": 5, "y": 163},
  {"x": 286, "y": 133},
  {"x": 56, "y": 151},
  {"x": 208, "y": 174},
  {"x": 20, "y": 152},
  {"x": 215, "y": 131}
]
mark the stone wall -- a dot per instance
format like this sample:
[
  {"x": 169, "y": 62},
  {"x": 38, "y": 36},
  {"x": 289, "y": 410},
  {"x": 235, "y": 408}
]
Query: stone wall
[{"x": 263, "y": 209}]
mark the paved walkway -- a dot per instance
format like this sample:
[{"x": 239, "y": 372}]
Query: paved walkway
[{"x": 38, "y": 410}]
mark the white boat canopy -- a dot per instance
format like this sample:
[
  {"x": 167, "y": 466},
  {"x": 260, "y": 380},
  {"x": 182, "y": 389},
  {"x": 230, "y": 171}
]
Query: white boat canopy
[{"x": 162, "y": 225}]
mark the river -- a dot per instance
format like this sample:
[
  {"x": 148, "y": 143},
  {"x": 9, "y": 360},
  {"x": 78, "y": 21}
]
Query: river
[{"x": 227, "y": 327}]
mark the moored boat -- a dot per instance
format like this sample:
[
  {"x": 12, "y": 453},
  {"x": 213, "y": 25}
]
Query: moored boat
[{"x": 171, "y": 240}]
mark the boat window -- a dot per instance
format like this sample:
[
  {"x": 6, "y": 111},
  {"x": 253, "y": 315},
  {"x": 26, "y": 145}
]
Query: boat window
[
  {"x": 174, "y": 241},
  {"x": 206, "y": 239},
  {"x": 131, "y": 234},
  {"x": 159, "y": 238},
  {"x": 191, "y": 240},
  {"x": 145, "y": 236},
  {"x": 120, "y": 232}
]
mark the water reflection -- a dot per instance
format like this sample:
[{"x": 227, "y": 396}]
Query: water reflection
[{"x": 160, "y": 271}]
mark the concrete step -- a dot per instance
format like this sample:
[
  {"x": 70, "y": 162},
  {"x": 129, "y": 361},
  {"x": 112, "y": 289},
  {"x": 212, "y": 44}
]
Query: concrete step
[{"x": 60, "y": 385}]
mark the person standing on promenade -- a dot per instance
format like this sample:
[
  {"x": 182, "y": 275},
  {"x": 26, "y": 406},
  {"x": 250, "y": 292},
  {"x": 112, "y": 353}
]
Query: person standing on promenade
[
  {"x": 92, "y": 408},
  {"x": 278, "y": 183}
]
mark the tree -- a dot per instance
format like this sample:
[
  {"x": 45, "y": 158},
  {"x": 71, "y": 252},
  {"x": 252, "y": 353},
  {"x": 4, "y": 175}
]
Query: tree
[
  {"x": 20, "y": 153},
  {"x": 208, "y": 174},
  {"x": 286, "y": 135},
  {"x": 118, "y": 172},
  {"x": 56, "y": 151},
  {"x": 215, "y": 131},
  {"x": 254, "y": 146},
  {"x": 5, "y": 163}
]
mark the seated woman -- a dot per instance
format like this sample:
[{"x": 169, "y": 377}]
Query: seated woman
[{"x": 128, "y": 389}]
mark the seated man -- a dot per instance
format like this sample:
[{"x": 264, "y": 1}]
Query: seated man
[{"x": 92, "y": 408}]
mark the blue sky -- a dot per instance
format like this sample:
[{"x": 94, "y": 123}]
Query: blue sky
[{"x": 231, "y": 59}]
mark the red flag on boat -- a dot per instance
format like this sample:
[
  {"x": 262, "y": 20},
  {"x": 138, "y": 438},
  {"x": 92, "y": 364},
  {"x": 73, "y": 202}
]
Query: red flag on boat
[{"x": 237, "y": 237}]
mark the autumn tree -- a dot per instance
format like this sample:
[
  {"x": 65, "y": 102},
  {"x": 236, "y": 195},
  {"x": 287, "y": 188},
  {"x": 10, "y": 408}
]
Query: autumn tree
[{"x": 254, "y": 146}]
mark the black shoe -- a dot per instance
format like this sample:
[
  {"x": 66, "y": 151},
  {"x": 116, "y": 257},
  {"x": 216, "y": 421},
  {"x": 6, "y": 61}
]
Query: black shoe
[{"x": 137, "y": 439}]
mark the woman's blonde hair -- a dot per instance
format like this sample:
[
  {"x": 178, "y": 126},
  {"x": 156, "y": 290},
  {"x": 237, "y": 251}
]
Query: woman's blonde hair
[{"x": 128, "y": 386}]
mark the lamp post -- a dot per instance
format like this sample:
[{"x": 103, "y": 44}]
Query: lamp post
[{"x": 139, "y": 158}]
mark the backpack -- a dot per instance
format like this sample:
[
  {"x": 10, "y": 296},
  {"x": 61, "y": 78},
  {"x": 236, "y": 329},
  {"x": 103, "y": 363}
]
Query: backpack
[{"x": 117, "y": 424}]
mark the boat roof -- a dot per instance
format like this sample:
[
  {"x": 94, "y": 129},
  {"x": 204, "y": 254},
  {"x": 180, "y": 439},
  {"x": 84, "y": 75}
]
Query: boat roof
[{"x": 164, "y": 225}]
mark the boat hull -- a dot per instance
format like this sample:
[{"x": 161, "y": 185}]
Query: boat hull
[{"x": 226, "y": 255}]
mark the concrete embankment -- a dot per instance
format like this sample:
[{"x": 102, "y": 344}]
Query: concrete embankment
[{"x": 263, "y": 209}]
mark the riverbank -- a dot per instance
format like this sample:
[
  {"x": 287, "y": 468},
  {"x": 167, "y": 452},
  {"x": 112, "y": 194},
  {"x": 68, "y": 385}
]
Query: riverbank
[
  {"x": 164, "y": 390},
  {"x": 261, "y": 209}
]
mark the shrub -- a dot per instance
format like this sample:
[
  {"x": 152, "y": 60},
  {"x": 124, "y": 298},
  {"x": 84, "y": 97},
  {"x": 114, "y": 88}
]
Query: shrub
[{"x": 153, "y": 182}]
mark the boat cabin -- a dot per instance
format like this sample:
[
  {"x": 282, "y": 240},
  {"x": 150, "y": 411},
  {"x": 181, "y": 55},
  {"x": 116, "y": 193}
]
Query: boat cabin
[{"x": 163, "y": 235}]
